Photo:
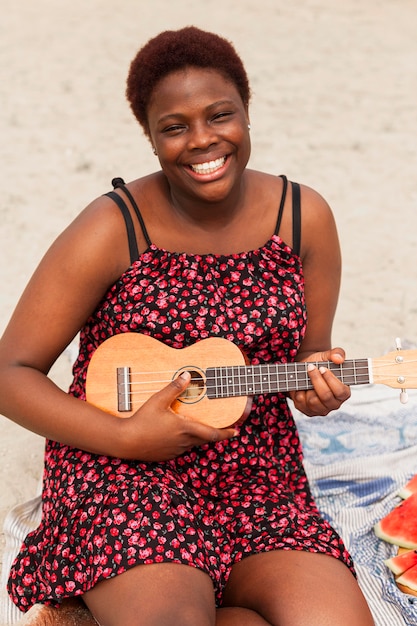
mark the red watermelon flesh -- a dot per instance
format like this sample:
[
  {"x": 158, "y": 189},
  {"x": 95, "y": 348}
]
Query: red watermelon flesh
[
  {"x": 402, "y": 562},
  {"x": 400, "y": 525},
  {"x": 409, "y": 488},
  {"x": 409, "y": 578}
]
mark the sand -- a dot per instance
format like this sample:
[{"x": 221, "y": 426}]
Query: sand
[{"x": 334, "y": 106}]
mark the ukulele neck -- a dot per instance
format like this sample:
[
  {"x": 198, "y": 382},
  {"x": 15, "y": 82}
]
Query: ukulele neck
[{"x": 244, "y": 380}]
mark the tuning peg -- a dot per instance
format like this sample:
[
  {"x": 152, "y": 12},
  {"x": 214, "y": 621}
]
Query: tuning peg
[
  {"x": 403, "y": 393},
  {"x": 403, "y": 396}
]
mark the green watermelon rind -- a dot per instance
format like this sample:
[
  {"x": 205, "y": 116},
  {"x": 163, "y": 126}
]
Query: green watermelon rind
[
  {"x": 399, "y": 526},
  {"x": 409, "y": 578},
  {"x": 409, "y": 488},
  {"x": 402, "y": 562}
]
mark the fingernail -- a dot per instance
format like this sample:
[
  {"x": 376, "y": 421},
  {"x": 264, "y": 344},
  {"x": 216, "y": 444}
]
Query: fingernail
[
  {"x": 311, "y": 367},
  {"x": 322, "y": 369}
]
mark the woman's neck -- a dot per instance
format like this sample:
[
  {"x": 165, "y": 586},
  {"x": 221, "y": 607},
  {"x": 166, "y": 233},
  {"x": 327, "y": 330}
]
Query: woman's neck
[{"x": 209, "y": 214}]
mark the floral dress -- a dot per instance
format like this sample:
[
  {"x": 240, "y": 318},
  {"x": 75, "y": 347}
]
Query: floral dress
[{"x": 216, "y": 504}]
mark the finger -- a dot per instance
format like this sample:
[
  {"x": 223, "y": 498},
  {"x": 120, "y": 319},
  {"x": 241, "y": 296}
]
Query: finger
[
  {"x": 329, "y": 389},
  {"x": 308, "y": 403},
  {"x": 176, "y": 387},
  {"x": 220, "y": 434},
  {"x": 208, "y": 434},
  {"x": 339, "y": 390},
  {"x": 336, "y": 355}
]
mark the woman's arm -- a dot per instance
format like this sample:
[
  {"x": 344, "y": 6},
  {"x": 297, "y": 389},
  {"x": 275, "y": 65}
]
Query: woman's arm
[
  {"x": 320, "y": 253},
  {"x": 70, "y": 281}
]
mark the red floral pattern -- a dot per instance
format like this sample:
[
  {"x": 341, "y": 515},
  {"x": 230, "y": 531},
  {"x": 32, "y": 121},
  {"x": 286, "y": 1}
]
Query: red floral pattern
[{"x": 216, "y": 504}]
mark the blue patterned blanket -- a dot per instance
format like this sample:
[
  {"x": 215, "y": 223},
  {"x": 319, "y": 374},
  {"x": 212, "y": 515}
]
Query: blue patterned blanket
[{"x": 357, "y": 459}]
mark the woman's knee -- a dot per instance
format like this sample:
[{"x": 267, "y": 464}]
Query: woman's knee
[
  {"x": 159, "y": 594},
  {"x": 298, "y": 588}
]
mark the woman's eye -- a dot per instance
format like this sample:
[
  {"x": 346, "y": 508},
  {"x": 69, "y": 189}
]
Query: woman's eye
[
  {"x": 220, "y": 116},
  {"x": 174, "y": 128}
]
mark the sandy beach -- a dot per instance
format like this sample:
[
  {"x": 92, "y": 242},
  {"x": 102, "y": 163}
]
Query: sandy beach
[{"x": 334, "y": 106}]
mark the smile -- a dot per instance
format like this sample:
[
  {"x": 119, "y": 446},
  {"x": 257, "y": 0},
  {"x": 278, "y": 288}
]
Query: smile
[{"x": 209, "y": 167}]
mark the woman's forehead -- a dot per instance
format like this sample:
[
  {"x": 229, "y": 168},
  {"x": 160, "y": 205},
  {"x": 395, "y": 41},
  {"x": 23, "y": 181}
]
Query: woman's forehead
[{"x": 191, "y": 84}]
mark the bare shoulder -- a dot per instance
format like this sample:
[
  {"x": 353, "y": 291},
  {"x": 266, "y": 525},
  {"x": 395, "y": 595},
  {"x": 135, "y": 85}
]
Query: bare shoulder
[
  {"x": 94, "y": 244},
  {"x": 147, "y": 187},
  {"x": 263, "y": 181},
  {"x": 69, "y": 282},
  {"x": 264, "y": 191},
  {"x": 314, "y": 205},
  {"x": 317, "y": 219},
  {"x": 99, "y": 218},
  {"x": 319, "y": 236}
]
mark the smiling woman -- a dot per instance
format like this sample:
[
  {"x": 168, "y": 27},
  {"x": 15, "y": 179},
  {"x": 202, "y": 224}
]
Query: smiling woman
[
  {"x": 201, "y": 137},
  {"x": 162, "y": 518}
]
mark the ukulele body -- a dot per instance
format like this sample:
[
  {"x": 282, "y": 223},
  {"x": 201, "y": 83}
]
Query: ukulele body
[{"x": 151, "y": 365}]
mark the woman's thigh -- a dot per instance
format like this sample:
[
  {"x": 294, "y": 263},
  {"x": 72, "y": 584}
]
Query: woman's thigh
[
  {"x": 156, "y": 594},
  {"x": 294, "y": 588}
]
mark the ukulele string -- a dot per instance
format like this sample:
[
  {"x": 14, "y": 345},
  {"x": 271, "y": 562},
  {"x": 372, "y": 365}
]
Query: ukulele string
[{"x": 233, "y": 378}]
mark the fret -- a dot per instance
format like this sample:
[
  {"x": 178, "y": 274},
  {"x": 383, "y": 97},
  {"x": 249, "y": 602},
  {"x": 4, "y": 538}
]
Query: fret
[
  {"x": 235, "y": 379},
  {"x": 257, "y": 380},
  {"x": 228, "y": 381},
  {"x": 239, "y": 376},
  {"x": 269, "y": 377},
  {"x": 250, "y": 380},
  {"x": 265, "y": 378},
  {"x": 223, "y": 390},
  {"x": 268, "y": 369}
]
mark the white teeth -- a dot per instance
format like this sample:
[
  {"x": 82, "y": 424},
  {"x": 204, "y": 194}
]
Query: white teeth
[{"x": 209, "y": 167}]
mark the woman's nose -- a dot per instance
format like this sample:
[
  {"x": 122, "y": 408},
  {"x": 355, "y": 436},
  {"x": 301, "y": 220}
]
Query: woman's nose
[{"x": 201, "y": 136}]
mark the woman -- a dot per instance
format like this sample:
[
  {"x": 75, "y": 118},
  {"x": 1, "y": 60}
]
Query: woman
[{"x": 161, "y": 519}]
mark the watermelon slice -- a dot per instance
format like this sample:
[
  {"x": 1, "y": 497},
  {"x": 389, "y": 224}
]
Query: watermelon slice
[
  {"x": 408, "y": 489},
  {"x": 400, "y": 525},
  {"x": 402, "y": 562},
  {"x": 409, "y": 578}
]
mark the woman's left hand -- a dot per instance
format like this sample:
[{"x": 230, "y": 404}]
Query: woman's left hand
[{"x": 329, "y": 392}]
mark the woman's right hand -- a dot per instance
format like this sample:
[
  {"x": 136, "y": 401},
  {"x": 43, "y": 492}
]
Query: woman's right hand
[{"x": 156, "y": 433}]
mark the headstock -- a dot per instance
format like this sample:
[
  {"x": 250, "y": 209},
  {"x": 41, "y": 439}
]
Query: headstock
[{"x": 397, "y": 369}]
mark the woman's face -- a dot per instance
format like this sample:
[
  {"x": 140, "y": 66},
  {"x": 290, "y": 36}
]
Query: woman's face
[{"x": 199, "y": 127}]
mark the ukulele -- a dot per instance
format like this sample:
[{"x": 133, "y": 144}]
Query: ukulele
[{"x": 128, "y": 368}]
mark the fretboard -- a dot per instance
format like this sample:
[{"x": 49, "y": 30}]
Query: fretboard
[{"x": 249, "y": 380}]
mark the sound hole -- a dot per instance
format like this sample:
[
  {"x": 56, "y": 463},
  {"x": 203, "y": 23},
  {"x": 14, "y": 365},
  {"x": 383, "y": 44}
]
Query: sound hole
[{"x": 196, "y": 389}]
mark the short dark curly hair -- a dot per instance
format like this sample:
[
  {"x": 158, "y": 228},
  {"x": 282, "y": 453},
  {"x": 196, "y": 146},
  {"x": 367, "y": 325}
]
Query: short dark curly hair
[{"x": 173, "y": 50}]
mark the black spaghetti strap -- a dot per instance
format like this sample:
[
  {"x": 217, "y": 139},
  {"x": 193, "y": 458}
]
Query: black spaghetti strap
[
  {"x": 296, "y": 218},
  {"x": 133, "y": 246},
  {"x": 296, "y": 213},
  {"x": 119, "y": 183},
  {"x": 281, "y": 205}
]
